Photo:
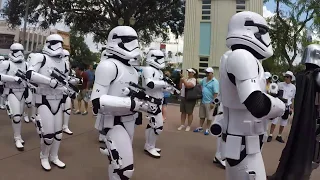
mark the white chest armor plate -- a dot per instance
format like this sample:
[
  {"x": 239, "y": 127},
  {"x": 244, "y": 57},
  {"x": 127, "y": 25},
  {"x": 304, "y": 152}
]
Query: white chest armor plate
[
  {"x": 13, "y": 68},
  {"x": 125, "y": 75},
  {"x": 157, "y": 76},
  {"x": 50, "y": 64},
  {"x": 238, "y": 120}
]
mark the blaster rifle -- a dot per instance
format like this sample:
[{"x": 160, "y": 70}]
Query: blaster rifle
[
  {"x": 65, "y": 77},
  {"x": 139, "y": 92},
  {"x": 23, "y": 76},
  {"x": 71, "y": 90},
  {"x": 171, "y": 83}
]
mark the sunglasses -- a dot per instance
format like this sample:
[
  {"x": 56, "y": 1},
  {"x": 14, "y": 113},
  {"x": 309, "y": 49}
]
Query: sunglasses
[{"x": 287, "y": 76}]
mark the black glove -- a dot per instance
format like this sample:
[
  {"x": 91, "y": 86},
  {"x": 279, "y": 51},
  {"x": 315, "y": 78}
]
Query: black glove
[
  {"x": 1, "y": 89},
  {"x": 96, "y": 105}
]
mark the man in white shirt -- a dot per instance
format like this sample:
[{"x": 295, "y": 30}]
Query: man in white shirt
[{"x": 289, "y": 91}]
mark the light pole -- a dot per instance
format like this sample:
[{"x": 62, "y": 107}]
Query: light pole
[{"x": 25, "y": 23}]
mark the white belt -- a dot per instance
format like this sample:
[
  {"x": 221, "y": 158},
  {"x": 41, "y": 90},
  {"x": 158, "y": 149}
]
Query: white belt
[{"x": 54, "y": 97}]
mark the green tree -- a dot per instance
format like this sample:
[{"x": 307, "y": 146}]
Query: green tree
[
  {"x": 80, "y": 52},
  {"x": 287, "y": 28},
  {"x": 154, "y": 18}
]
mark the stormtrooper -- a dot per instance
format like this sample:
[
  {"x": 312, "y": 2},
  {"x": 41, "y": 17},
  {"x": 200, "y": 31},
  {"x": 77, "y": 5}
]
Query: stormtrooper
[
  {"x": 49, "y": 98},
  {"x": 2, "y": 106},
  {"x": 301, "y": 154},
  {"x": 15, "y": 89},
  {"x": 67, "y": 104},
  {"x": 247, "y": 106},
  {"x": 117, "y": 108},
  {"x": 152, "y": 81}
]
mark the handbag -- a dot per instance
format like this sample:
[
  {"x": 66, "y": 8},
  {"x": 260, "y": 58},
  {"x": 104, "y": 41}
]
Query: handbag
[{"x": 194, "y": 93}]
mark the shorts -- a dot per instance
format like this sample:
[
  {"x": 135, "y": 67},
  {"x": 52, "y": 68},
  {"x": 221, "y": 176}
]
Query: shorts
[
  {"x": 81, "y": 94},
  {"x": 187, "y": 106},
  {"x": 165, "y": 101},
  {"x": 205, "y": 112},
  {"x": 284, "y": 118}
]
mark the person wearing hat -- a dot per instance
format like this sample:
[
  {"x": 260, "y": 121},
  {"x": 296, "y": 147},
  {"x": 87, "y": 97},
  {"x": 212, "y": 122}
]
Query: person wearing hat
[
  {"x": 187, "y": 106},
  {"x": 210, "y": 90},
  {"x": 289, "y": 91},
  {"x": 268, "y": 76}
]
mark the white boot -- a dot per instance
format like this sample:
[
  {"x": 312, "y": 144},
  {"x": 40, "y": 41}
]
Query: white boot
[
  {"x": 151, "y": 152},
  {"x": 58, "y": 163},
  {"x": 45, "y": 164},
  {"x": 26, "y": 119},
  {"x": 66, "y": 130},
  {"x": 19, "y": 144}
]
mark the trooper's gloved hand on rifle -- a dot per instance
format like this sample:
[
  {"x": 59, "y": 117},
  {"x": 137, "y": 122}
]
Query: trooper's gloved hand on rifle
[{"x": 276, "y": 92}]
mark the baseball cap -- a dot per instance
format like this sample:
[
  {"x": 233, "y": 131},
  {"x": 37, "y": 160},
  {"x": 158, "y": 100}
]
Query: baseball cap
[
  {"x": 289, "y": 73},
  {"x": 191, "y": 70},
  {"x": 209, "y": 70},
  {"x": 267, "y": 75}
]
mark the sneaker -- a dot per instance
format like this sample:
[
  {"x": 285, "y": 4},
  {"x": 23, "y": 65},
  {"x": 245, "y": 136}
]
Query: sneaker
[
  {"x": 279, "y": 138},
  {"x": 199, "y": 129},
  {"x": 180, "y": 128},
  {"x": 188, "y": 128},
  {"x": 269, "y": 139},
  {"x": 85, "y": 113},
  {"x": 77, "y": 112},
  {"x": 206, "y": 132}
]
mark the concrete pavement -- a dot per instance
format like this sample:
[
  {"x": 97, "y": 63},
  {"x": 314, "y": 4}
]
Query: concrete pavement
[{"x": 185, "y": 155}]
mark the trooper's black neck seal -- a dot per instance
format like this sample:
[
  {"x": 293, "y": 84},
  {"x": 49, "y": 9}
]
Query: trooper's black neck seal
[
  {"x": 124, "y": 61},
  {"x": 252, "y": 51},
  {"x": 154, "y": 67}
]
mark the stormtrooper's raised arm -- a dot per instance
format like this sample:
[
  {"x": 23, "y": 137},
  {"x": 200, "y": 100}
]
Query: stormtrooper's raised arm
[
  {"x": 4, "y": 66},
  {"x": 243, "y": 71},
  {"x": 152, "y": 83},
  {"x": 36, "y": 61}
]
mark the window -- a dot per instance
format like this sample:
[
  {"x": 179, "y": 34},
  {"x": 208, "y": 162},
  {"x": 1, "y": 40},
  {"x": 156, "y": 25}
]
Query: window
[
  {"x": 241, "y": 1},
  {"x": 202, "y": 76},
  {"x": 206, "y": 1},
  {"x": 240, "y": 5},
  {"x": 205, "y": 12},
  {"x": 205, "y": 65},
  {"x": 205, "y": 38},
  {"x": 202, "y": 70},
  {"x": 206, "y": 7},
  {"x": 205, "y": 17},
  {"x": 204, "y": 59}
]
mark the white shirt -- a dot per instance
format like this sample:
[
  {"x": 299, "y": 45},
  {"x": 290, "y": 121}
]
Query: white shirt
[
  {"x": 289, "y": 91},
  {"x": 183, "y": 88}
]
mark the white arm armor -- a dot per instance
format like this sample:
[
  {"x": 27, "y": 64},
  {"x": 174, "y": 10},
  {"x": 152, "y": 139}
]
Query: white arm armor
[
  {"x": 4, "y": 65},
  {"x": 33, "y": 69},
  {"x": 244, "y": 66},
  {"x": 150, "y": 81},
  {"x": 102, "y": 80},
  {"x": 118, "y": 106}
]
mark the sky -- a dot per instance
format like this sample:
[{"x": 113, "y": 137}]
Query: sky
[{"x": 268, "y": 10}]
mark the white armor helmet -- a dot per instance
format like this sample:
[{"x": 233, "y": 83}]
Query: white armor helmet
[
  {"x": 2, "y": 58},
  {"x": 155, "y": 58},
  {"x": 250, "y": 31},
  {"x": 311, "y": 55},
  {"x": 16, "y": 52},
  {"x": 53, "y": 45},
  {"x": 123, "y": 42}
]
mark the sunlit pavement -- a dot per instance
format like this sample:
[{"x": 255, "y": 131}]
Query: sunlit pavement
[{"x": 185, "y": 155}]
